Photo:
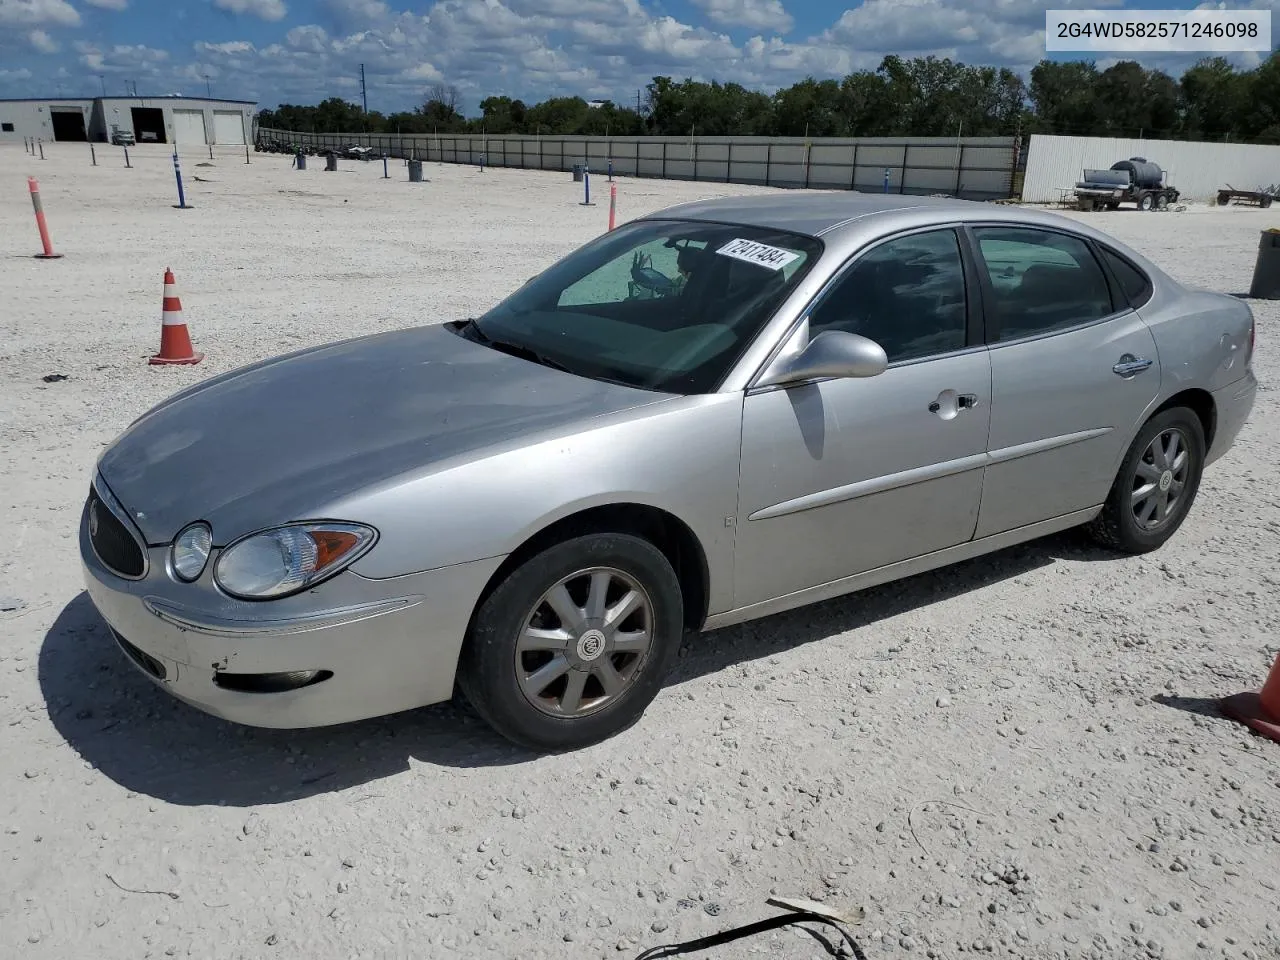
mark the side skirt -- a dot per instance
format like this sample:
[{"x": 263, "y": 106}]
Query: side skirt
[{"x": 901, "y": 569}]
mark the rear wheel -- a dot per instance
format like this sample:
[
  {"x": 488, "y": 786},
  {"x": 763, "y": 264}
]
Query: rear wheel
[
  {"x": 1146, "y": 201},
  {"x": 1156, "y": 485},
  {"x": 1162, "y": 202},
  {"x": 574, "y": 644}
]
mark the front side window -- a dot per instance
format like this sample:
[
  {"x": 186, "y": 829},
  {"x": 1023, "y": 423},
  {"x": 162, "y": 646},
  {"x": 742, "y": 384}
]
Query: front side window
[
  {"x": 664, "y": 305},
  {"x": 1042, "y": 281},
  {"x": 907, "y": 294}
]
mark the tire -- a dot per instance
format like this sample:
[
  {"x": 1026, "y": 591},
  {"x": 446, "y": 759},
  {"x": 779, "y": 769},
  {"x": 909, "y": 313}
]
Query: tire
[
  {"x": 1146, "y": 202},
  {"x": 1162, "y": 203},
  {"x": 1118, "y": 526},
  {"x": 502, "y": 682}
]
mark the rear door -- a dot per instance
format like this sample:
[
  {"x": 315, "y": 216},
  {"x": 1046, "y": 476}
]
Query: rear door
[{"x": 1073, "y": 370}]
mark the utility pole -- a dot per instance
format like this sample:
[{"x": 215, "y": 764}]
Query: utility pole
[
  {"x": 364, "y": 90},
  {"x": 208, "y": 88}
]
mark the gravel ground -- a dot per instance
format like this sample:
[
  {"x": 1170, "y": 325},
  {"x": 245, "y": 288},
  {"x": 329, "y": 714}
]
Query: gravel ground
[{"x": 1018, "y": 756}]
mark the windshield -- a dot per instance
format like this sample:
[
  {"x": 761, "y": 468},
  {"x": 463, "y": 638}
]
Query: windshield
[{"x": 662, "y": 304}]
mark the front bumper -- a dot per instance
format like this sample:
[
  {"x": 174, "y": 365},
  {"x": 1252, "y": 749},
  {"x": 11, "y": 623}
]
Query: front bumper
[{"x": 380, "y": 646}]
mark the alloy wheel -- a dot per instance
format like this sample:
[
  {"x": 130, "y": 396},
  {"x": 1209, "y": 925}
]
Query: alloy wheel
[
  {"x": 1160, "y": 479},
  {"x": 584, "y": 643}
]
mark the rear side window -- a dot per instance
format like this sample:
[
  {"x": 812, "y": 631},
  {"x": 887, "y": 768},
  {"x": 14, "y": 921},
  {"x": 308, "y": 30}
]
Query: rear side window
[
  {"x": 1134, "y": 283},
  {"x": 1041, "y": 281}
]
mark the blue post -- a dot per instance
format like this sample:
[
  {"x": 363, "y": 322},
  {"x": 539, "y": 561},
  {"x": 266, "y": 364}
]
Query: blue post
[
  {"x": 611, "y": 169},
  {"x": 94, "y": 154},
  {"x": 886, "y": 179},
  {"x": 586, "y": 187},
  {"x": 177, "y": 172},
  {"x": 126, "y": 159},
  {"x": 41, "y": 149},
  {"x": 385, "y": 174},
  {"x": 482, "y": 163}
]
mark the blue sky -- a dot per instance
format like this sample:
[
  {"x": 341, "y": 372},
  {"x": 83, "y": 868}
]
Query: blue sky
[{"x": 304, "y": 50}]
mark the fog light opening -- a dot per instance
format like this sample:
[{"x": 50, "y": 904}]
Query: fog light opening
[{"x": 270, "y": 682}]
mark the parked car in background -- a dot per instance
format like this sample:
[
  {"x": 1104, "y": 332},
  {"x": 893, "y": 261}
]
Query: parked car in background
[{"x": 720, "y": 411}]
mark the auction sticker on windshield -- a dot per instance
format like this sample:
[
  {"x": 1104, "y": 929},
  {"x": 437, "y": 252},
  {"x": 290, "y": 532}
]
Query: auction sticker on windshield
[{"x": 758, "y": 253}]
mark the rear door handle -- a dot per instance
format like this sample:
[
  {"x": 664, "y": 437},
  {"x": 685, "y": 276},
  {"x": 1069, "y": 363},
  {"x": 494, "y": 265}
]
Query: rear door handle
[{"x": 1130, "y": 365}]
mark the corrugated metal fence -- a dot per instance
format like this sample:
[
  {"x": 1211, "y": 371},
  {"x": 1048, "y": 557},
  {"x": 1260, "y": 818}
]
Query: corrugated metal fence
[
  {"x": 979, "y": 168},
  {"x": 1198, "y": 169}
]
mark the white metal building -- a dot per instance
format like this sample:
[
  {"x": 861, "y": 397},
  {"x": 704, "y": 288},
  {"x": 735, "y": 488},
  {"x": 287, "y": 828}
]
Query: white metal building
[
  {"x": 185, "y": 121},
  {"x": 1198, "y": 169}
]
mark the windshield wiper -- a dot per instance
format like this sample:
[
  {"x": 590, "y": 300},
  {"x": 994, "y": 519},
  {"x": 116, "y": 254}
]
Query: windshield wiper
[{"x": 514, "y": 349}]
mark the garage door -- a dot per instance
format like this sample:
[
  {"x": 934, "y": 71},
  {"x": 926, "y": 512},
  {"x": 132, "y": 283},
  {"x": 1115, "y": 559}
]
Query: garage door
[
  {"x": 228, "y": 126},
  {"x": 188, "y": 126}
]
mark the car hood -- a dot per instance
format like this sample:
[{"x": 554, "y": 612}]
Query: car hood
[{"x": 275, "y": 441}]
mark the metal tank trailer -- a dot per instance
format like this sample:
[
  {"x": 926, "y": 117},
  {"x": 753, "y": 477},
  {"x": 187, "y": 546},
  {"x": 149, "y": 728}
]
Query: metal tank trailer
[{"x": 1136, "y": 180}]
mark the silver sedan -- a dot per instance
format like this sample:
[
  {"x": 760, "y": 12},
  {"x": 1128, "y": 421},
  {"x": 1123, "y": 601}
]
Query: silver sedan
[{"x": 721, "y": 411}]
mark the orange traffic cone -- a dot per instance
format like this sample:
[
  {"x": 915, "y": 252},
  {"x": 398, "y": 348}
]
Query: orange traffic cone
[
  {"x": 1260, "y": 711},
  {"x": 175, "y": 342}
]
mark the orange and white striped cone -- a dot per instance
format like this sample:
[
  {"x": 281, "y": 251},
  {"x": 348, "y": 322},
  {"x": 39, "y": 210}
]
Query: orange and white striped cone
[
  {"x": 175, "y": 342},
  {"x": 1259, "y": 711}
]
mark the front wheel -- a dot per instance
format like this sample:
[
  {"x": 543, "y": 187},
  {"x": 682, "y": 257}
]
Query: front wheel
[
  {"x": 573, "y": 645},
  {"x": 1156, "y": 485}
]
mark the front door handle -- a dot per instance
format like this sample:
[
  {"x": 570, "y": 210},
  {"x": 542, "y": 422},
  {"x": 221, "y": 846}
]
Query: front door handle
[
  {"x": 1130, "y": 365},
  {"x": 950, "y": 404}
]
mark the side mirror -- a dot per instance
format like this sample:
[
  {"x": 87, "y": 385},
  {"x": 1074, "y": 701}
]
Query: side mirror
[{"x": 832, "y": 353}]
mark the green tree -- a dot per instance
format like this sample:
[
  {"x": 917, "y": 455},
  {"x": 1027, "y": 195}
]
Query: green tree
[
  {"x": 1213, "y": 100},
  {"x": 1063, "y": 97},
  {"x": 811, "y": 106}
]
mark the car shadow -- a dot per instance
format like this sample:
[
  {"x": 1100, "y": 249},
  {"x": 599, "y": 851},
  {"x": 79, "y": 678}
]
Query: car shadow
[
  {"x": 143, "y": 739},
  {"x": 1196, "y": 706}
]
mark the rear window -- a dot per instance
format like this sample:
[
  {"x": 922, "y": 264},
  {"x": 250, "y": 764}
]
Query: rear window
[{"x": 1134, "y": 283}]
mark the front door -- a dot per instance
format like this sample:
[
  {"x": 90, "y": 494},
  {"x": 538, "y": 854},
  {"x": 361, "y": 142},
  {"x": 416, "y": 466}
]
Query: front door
[
  {"x": 841, "y": 476},
  {"x": 1073, "y": 370}
]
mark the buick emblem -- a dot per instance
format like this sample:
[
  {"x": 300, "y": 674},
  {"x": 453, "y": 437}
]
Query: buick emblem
[
  {"x": 93, "y": 519},
  {"x": 590, "y": 645}
]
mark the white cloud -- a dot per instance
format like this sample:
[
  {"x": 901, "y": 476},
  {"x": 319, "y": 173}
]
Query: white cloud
[
  {"x": 43, "y": 42},
  {"x": 270, "y": 10},
  {"x": 229, "y": 48},
  {"x": 38, "y": 12},
  {"x": 753, "y": 14},
  {"x": 423, "y": 71},
  {"x": 534, "y": 49},
  {"x": 108, "y": 4},
  {"x": 138, "y": 59}
]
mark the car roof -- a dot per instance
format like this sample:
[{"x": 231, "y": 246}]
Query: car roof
[{"x": 816, "y": 213}]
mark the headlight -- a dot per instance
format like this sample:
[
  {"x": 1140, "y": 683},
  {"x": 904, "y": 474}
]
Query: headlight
[
  {"x": 285, "y": 560},
  {"x": 191, "y": 551}
]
